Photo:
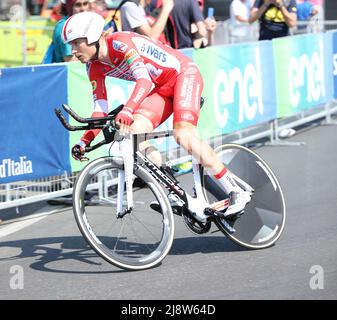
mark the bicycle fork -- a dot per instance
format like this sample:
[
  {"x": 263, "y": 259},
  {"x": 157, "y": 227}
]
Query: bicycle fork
[{"x": 125, "y": 177}]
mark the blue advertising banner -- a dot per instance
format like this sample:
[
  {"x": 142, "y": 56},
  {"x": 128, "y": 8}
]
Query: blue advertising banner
[
  {"x": 33, "y": 144},
  {"x": 303, "y": 72},
  {"x": 238, "y": 86}
]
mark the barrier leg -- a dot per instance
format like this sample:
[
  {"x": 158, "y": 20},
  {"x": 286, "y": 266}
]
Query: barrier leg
[{"x": 275, "y": 140}]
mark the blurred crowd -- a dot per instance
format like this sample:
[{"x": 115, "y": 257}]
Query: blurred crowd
[
  {"x": 178, "y": 23},
  {"x": 275, "y": 17}
]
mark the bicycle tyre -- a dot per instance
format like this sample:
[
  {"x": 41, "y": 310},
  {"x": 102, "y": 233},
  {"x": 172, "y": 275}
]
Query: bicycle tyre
[
  {"x": 108, "y": 235},
  {"x": 264, "y": 217}
]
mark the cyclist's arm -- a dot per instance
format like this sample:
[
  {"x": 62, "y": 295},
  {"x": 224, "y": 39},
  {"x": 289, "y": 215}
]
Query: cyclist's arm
[
  {"x": 141, "y": 75},
  {"x": 100, "y": 101}
]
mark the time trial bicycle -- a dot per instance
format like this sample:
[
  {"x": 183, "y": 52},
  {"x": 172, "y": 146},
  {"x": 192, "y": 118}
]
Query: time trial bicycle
[{"x": 133, "y": 228}]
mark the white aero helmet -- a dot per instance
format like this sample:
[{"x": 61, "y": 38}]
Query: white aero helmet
[{"x": 87, "y": 25}]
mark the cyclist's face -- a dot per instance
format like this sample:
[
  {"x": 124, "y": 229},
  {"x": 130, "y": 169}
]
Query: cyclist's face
[
  {"x": 82, "y": 50},
  {"x": 81, "y": 6}
]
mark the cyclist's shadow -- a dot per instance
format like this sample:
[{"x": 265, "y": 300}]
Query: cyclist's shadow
[
  {"x": 204, "y": 244},
  {"x": 52, "y": 250},
  {"x": 51, "y": 253}
]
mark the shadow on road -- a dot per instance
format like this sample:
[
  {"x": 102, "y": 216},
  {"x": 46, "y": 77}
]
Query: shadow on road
[{"x": 53, "y": 250}]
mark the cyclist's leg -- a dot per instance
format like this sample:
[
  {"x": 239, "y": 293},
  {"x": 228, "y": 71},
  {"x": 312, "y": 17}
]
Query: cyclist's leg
[
  {"x": 154, "y": 110},
  {"x": 186, "y": 109},
  {"x": 186, "y": 106}
]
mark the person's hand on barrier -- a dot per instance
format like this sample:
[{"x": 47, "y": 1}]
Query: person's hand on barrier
[{"x": 78, "y": 151}]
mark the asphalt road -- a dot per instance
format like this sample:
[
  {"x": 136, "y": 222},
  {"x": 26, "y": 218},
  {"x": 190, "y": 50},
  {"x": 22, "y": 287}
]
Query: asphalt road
[{"x": 45, "y": 257}]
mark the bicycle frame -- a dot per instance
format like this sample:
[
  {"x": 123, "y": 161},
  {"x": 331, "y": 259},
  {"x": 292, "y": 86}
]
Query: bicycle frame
[{"x": 196, "y": 205}]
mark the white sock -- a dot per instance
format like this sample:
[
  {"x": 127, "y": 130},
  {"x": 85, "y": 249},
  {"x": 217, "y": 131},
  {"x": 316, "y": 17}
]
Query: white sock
[{"x": 227, "y": 182}]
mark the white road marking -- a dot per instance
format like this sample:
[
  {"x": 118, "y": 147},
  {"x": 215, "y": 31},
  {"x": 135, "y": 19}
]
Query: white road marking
[{"x": 6, "y": 229}]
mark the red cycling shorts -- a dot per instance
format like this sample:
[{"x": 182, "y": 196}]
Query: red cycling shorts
[{"x": 180, "y": 96}]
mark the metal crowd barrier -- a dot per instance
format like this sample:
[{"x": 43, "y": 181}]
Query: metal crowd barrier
[
  {"x": 225, "y": 33},
  {"x": 26, "y": 192}
]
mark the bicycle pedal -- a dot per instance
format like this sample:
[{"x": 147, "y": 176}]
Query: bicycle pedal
[
  {"x": 235, "y": 216},
  {"x": 213, "y": 213}
]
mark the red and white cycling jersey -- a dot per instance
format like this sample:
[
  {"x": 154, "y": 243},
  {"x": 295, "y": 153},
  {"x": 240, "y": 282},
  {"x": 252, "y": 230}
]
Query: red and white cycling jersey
[{"x": 157, "y": 69}]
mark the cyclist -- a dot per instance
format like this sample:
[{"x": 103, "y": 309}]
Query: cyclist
[{"x": 166, "y": 82}]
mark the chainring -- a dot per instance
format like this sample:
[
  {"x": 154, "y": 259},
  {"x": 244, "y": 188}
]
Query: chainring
[{"x": 193, "y": 224}]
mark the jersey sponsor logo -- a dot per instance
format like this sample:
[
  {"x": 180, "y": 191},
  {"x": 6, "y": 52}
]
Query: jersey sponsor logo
[
  {"x": 119, "y": 46},
  {"x": 141, "y": 73},
  {"x": 153, "y": 71},
  {"x": 187, "y": 116},
  {"x": 94, "y": 85},
  {"x": 191, "y": 70},
  {"x": 131, "y": 56},
  {"x": 187, "y": 89},
  {"x": 137, "y": 65},
  {"x": 150, "y": 50},
  {"x": 155, "y": 53}
]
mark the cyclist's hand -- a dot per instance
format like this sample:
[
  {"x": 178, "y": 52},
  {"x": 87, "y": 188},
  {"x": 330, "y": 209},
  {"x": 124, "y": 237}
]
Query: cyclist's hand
[
  {"x": 125, "y": 116},
  {"x": 78, "y": 152}
]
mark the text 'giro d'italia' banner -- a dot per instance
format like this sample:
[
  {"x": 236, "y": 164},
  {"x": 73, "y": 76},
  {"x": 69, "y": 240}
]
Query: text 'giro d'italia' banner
[
  {"x": 32, "y": 142},
  {"x": 303, "y": 72},
  {"x": 238, "y": 87}
]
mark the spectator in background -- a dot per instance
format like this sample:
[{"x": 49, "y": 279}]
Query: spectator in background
[
  {"x": 200, "y": 41},
  {"x": 275, "y": 17},
  {"x": 62, "y": 51},
  {"x": 133, "y": 18},
  {"x": 306, "y": 10},
  {"x": 239, "y": 17},
  {"x": 99, "y": 6},
  {"x": 185, "y": 16}
]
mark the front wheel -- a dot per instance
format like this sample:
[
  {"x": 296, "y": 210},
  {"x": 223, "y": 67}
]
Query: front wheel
[
  {"x": 136, "y": 240},
  {"x": 263, "y": 220}
]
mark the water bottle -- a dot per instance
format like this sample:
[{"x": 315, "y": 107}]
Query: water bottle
[{"x": 210, "y": 13}]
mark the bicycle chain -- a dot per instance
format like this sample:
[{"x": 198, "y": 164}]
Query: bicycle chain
[{"x": 193, "y": 224}]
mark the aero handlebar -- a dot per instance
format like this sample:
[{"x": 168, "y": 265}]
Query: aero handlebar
[{"x": 105, "y": 123}]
